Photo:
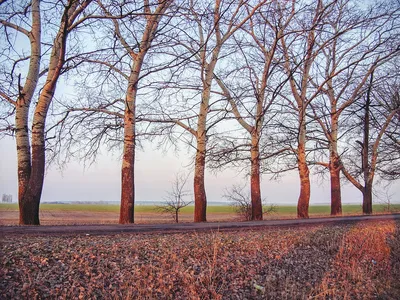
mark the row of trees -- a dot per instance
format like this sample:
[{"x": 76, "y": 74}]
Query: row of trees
[{"x": 264, "y": 86}]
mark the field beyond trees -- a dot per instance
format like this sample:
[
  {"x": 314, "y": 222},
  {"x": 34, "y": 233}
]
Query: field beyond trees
[
  {"x": 350, "y": 261},
  {"x": 68, "y": 214}
]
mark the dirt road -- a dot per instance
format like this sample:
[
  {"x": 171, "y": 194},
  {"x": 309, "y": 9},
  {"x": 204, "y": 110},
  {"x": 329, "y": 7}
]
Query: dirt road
[{"x": 182, "y": 227}]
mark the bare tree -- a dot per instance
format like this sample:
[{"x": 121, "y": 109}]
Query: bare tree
[
  {"x": 128, "y": 161},
  {"x": 176, "y": 198},
  {"x": 351, "y": 53},
  {"x": 300, "y": 51},
  {"x": 252, "y": 89},
  {"x": 208, "y": 26},
  {"x": 31, "y": 154},
  {"x": 378, "y": 113},
  {"x": 116, "y": 71}
]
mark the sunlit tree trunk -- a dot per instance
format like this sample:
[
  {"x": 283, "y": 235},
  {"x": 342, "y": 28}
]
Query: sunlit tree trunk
[
  {"x": 300, "y": 93},
  {"x": 29, "y": 197},
  {"x": 367, "y": 199},
  {"x": 27, "y": 210},
  {"x": 254, "y": 131},
  {"x": 23, "y": 160},
  {"x": 335, "y": 167},
  {"x": 256, "y": 203},
  {"x": 200, "y": 198},
  {"x": 128, "y": 159},
  {"x": 33, "y": 192},
  {"x": 304, "y": 173},
  {"x": 126, "y": 215}
]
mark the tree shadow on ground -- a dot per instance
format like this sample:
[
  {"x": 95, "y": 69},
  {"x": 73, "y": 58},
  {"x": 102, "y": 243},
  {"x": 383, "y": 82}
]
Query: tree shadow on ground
[
  {"x": 393, "y": 290},
  {"x": 348, "y": 261},
  {"x": 290, "y": 271}
]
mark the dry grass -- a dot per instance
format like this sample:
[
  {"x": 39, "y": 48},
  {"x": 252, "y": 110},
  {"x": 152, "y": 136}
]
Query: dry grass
[
  {"x": 8, "y": 218},
  {"x": 359, "y": 261}
]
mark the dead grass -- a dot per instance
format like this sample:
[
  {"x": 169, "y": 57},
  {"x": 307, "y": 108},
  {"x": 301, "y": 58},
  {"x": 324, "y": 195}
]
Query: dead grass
[
  {"x": 10, "y": 217},
  {"x": 359, "y": 261}
]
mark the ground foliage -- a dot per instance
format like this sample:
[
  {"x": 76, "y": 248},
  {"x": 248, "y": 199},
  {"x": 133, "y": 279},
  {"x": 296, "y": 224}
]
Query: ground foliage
[{"x": 354, "y": 261}]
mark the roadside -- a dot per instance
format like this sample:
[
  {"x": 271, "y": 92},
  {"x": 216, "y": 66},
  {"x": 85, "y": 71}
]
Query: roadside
[
  {"x": 341, "y": 258},
  {"x": 110, "y": 229}
]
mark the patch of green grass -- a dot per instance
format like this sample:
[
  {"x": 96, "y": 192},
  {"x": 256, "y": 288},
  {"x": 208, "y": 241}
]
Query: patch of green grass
[
  {"x": 210, "y": 209},
  {"x": 80, "y": 207},
  {"x": 280, "y": 210},
  {"x": 348, "y": 209},
  {"x": 8, "y": 206}
]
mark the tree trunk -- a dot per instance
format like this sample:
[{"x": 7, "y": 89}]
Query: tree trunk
[
  {"x": 35, "y": 187},
  {"x": 27, "y": 209},
  {"x": 367, "y": 199},
  {"x": 33, "y": 193},
  {"x": 200, "y": 199},
  {"x": 336, "y": 198},
  {"x": 304, "y": 174},
  {"x": 256, "y": 203},
  {"x": 30, "y": 200},
  {"x": 24, "y": 162},
  {"x": 366, "y": 168},
  {"x": 334, "y": 161},
  {"x": 126, "y": 214},
  {"x": 127, "y": 207}
]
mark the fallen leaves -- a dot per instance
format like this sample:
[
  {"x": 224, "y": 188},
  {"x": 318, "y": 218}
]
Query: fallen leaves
[{"x": 322, "y": 262}]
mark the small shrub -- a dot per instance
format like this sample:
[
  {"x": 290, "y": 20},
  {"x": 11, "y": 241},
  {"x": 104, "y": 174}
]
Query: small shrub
[{"x": 241, "y": 202}]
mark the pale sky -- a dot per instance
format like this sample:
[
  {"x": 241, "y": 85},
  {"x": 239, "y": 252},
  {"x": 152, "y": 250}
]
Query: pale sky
[{"x": 154, "y": 173}]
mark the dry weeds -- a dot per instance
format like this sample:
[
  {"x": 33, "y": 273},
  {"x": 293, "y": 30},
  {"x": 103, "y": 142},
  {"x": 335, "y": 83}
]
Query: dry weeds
[{"x": 360, "y": 261}]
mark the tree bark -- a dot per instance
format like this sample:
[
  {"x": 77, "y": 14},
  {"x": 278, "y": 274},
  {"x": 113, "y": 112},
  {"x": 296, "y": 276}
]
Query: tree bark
[
  {"x": 336, "y": 198},
  {"x": 34, "y": 189},
  {"x": 256, "y": 203},
  {"x": 127, "y": 207},
  {"x": 24, "y": 160},
  {"x": 200, "y": 198},
  {"x": 334, "y": 161},
  {"x": 367, "y": 199},
  {"x": 27, "y": 210},
  {"x": 304, "y": 173},
  {"x": 30, "y": 200},
  {"x": 126, "y": 214}
]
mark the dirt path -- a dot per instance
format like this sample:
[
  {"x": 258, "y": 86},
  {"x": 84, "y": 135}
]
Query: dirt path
[{"x": 182, "y": 227}]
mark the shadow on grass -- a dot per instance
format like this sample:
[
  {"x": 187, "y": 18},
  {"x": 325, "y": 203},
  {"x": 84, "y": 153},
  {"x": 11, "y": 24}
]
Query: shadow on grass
[
  {"x": 393, "y": 290},
  {"x": 301, "y": 271},
  {"x": 351, "y": 261},
  {"x": 292, "y": 269}
]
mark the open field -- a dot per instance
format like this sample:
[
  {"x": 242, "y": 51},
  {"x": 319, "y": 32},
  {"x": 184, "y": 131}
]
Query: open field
[
  {"x": 350, "y": 261},
  {"x": 59, "y": 214}
]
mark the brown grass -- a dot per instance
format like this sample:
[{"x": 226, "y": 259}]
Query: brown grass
[
  {"x": 359, "y": 261},
  {"x": 48, "y": 217}
]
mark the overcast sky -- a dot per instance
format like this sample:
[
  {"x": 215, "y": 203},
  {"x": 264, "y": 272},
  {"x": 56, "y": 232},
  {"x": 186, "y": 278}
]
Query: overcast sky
[{"x": 154, "y": 174}]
